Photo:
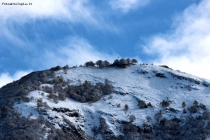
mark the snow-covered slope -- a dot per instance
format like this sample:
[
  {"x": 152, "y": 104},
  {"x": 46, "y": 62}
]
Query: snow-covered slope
[{"x": 148, "y": 83}]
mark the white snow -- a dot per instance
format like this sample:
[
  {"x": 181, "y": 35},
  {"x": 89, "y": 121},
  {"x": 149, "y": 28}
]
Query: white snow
[{"x": 129, "y": 80}]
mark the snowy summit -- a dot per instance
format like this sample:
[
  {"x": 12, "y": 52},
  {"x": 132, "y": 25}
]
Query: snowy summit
[{"x": 133, "y": 101}]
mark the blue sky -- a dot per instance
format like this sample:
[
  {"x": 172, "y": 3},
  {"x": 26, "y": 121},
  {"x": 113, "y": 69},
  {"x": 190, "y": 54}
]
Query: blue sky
[{"x": 49, "y": 33}]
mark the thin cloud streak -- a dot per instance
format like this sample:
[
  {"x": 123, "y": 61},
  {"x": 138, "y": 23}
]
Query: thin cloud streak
[
  {"x": 126, "y": 5},
  {"x": 187, "y": 47}
]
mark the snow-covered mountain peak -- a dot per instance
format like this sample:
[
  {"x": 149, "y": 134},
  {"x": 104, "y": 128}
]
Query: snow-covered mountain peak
[{"x": 103, "y": 102}]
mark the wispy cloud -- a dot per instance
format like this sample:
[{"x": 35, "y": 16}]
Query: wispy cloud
[
  {"x": 187, "y": 47},
  {"x": 80, "y": 12},
  {"x": 66, "y": 10},
  {"x": 75, "y": 51},
  {"x": 6, "y": 78},
  {"x": 126, "y": 5}
]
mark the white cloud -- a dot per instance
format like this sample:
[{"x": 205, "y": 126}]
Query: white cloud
[
  {"x": 126, "y": 5},
  {"x": 5, "y": 78},
  {"x": 67, "y": 10},
  {"x": 76, "y": 51},
  {"x": 187, "y": 47}
]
